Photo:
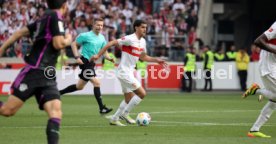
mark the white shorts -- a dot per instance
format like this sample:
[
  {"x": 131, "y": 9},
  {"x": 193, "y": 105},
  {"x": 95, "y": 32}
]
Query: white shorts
[
  {"x": 269, "y": 82},
  {"x": 128, "y": 82}
]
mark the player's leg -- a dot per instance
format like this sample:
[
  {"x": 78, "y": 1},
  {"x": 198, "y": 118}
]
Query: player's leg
[
  {"x": 118, "y": 114},
  {"x": 53, "y": 109},
  {"x": 98, "y": 96},
  {"x": 128, "y": 94},
  {"x": 48, "y": 99},
  {"x": 10, "y": 107},
  {"x": 269, "y": 90},
  {"x": 139, "y": 94},
  {"x": 85, "y": 75},
  {"x": 79, "y": 86},
  {"x": 262, "y": 119},
  {"x": 20, "y": 93}
]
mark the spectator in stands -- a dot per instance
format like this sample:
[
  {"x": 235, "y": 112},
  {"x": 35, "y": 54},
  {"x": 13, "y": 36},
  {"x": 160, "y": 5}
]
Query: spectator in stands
[
  {"x": 82, "y": 28},
  {"x": 178, "y": 5},
  {"x": 3, "y": 21},
  {"x": 192, "y": 36},
  {"x": 13, "y": 16},
  {"x": 231, "y": 54},
  {"x": 17, "y": 51},
  {"x": 255, "y": 53},
  {"x": 4, "y": 36},
  {"x": 31, "y": 9},
  {"x": 192, "y": 19},
  {"x": 242, "y": 61},
  {"x": 41, "y": 11},
  {"x": 23, "y": 15},
  {"x": 171, "y": 18},
  {"x": 127, "y": 12},
  {"x": 182, "y": 25},
  {"x": 71, "y": 31},
  {"x": 156, "y": 6}
]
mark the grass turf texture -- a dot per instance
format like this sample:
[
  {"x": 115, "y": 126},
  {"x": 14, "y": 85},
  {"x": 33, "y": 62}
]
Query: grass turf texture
[{"x": 199, "y": 118}]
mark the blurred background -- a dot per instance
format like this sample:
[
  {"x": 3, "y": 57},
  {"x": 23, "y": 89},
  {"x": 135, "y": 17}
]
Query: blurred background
[{"x": 174, "y": 27}]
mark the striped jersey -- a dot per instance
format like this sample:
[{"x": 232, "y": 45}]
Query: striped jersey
[
  {"x": 132, "y": 47},
  {"x": 267, "y": 59}
]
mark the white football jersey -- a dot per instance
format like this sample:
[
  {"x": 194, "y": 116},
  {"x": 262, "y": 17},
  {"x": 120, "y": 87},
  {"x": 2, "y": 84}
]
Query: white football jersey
[
  {"x": 132, "y": 48},
  {"x": 267, "y": 59}
]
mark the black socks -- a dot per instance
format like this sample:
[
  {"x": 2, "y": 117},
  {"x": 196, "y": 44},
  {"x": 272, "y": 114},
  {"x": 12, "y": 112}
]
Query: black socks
[
  {"x": 69, "y": 89},
  {"x": 97, "y": 93},
  {"x": 52, "y": 130}
]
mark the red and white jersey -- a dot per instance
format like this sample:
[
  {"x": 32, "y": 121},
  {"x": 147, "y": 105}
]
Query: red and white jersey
[
  {"x": 267, "y": 59},
  {"x": 132, "y": 48}
]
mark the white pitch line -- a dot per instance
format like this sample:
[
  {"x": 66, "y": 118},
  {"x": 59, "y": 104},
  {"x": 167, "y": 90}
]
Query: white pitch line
[
  {"x": 200, "y": 111},
  {"x": 158, "y": 124},
  {"x": 207, "y": 124}
]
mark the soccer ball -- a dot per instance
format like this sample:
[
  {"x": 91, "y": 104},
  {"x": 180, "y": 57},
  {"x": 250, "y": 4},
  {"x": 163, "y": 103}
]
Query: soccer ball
[{"x": 143, "y": 119}]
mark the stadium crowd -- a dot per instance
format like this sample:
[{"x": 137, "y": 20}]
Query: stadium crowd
[{"x": 172, "y": 23}]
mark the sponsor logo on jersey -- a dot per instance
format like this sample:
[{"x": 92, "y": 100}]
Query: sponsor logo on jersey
[{"x": 23, "y": 87}]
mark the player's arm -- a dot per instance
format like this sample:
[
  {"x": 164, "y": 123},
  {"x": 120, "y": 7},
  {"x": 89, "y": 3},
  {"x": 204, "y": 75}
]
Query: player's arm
[
  {"x": 60, "y": 41},
  {"x": 103, "y": 50},
  {"x": 60, "y": 38},
  {"x": 147, "y": 58},
  {"x": 74, "y": 47},
  {"x": 16, "y": 35},
  {"x": 261, "y": 42}
]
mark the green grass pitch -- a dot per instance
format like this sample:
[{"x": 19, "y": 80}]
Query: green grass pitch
[{"x": 198, "y": 118}]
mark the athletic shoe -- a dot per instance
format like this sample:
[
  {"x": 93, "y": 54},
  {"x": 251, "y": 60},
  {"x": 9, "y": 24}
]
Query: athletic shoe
[
  {"x": 251, "y": 91},
  {"x": 128, "y": 119},
  {"x": 257, "y": 134},
  {"x": 116, "y": 123},
  {"x": 105, "y": 110}
]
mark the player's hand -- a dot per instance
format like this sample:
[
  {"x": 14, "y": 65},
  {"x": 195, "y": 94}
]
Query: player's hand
[
  {"x": 94, "y": 58},
  {"x": 164, "y": 64},
  {"x": 79, "y": 61}
]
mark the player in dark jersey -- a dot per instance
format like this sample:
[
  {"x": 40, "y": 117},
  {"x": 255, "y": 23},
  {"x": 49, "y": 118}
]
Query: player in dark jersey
[{"x": 49, "y": 37}]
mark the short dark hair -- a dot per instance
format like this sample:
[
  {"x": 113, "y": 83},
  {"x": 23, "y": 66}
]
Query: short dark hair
[
  {"x": 138, "y": 23},
  {"x": 97, "y": 19},
  {"x": 55, "y": 4}
]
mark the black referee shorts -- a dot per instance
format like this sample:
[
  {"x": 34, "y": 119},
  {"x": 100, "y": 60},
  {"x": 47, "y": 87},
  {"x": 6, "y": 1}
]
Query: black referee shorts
[{"x": 87, "y": 69}]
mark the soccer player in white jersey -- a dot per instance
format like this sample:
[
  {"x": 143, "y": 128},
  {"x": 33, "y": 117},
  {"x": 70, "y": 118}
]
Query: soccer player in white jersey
[
  {"x": 267, "y": 42},
  {"x": 133, "y": 48}
]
